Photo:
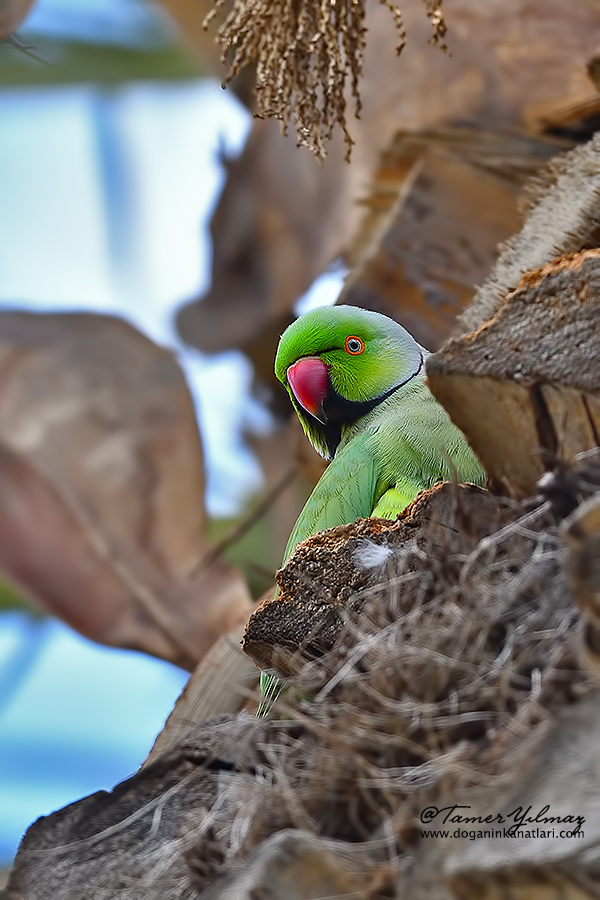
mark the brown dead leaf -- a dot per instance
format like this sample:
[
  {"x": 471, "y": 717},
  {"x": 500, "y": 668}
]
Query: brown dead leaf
[
  {"x": 282, "y": 219},
  {"x": 278, "y": 223},
  {"x": 442, "y": 202},
  {"x": 189, "y": 16},
  {"x": 12, "y": 13},
  {"x": 102, "y": 487}
]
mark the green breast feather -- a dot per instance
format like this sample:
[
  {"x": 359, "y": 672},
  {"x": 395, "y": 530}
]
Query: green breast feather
[{"x": 406, "y": 444}]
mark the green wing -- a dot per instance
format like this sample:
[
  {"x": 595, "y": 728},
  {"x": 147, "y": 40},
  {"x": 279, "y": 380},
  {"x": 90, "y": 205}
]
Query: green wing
[
  {"x": 346, "y": 491},
  {"x": 417, "y": 445},
  {"x": 406, "y": 445},
  {"x": 396, "y": 499}
]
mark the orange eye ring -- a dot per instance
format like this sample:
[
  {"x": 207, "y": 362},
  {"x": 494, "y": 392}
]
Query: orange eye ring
[{"x": 354, "y": 345}]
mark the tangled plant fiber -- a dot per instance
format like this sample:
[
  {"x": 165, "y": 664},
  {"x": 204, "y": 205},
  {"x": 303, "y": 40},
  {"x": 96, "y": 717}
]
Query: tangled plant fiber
[
  {"x": 452, "y": 660},
  {"x": 454, "y": 654},
  {"x": 305, "y": 51}
]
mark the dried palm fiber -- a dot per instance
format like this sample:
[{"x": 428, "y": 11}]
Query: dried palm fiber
[
  {"x": 453, "y": 658},
  {"x": 305, "y": 51},
  {"x": 562, "y": 206},
  {"x": 456, "y": 647},
  {"x": 457, "y": 651}
]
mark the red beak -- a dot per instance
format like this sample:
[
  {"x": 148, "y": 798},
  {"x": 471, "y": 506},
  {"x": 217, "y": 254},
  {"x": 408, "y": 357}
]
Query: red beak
[{"x": 309, "y": 380}]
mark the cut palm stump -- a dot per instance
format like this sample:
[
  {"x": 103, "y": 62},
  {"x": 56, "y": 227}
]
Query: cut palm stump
[
  {"x": 454, "y": 678},
  {"x": 525, "y": 386},
  {"x": 440, "y": 204},
  {"x": 581, "y": 533},
  {"x": 330, "y": 574}
]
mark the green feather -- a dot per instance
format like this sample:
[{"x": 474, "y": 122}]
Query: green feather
[
  {"x": 391, "y": 357},
  {"x": 405, "y": 441},
  {"x": 345, "y": 492},
  {"x": 404, "y": 445}
]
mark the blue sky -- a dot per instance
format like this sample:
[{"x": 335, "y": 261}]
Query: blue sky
[
  {"x": 74, "y": 718},
  {"x": 106, "y": 200},
  {"x": 127, "y": 23},
  {"x": 106, "y": 208}
]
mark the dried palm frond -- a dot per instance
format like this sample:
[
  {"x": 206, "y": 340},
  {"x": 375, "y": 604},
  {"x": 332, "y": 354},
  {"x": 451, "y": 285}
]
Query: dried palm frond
[{"x": 305, "y": 52}]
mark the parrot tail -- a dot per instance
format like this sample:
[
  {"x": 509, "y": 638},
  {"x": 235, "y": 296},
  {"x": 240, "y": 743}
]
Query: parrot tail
[{"x": 270, "y": 689}]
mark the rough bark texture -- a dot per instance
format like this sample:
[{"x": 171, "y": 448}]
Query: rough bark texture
[
  {"x": 448, "y": 657},
  {"x": 133, "y": 841},
  {"x": 441, "y": 203},
  {"x": 525, "y": 386},
  {"x": 500, "y": 75},
  {"x": 564, "y": 218},
  {"x": 453, "y": 679},
  {"x": 322, "y": 579},
  {"x": 564, "y": 778}
]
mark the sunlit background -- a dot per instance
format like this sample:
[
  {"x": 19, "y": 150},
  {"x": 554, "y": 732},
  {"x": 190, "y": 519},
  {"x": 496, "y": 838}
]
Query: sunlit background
[{"x": 106, "y": 198}]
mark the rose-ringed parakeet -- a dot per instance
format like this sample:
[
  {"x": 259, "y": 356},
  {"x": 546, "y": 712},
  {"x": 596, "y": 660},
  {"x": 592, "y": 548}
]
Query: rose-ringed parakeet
[{"x": 357, "y": 382}]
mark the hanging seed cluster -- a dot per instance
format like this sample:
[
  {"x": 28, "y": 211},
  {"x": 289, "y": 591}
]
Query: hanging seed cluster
[{"x": 305, "y": 52}]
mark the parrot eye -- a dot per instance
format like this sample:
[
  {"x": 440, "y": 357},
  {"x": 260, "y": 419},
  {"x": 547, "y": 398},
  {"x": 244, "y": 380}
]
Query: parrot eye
[{"x": 354, "y": 345}]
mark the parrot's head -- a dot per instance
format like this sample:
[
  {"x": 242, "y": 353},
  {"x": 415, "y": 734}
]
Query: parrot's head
[{"x": 337, "y": 363}]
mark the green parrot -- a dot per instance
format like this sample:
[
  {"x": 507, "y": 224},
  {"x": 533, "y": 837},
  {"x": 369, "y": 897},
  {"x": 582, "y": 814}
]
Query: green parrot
[
  {"x": 356, "y": 379},
  {"x": 357, "y": 382}
]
